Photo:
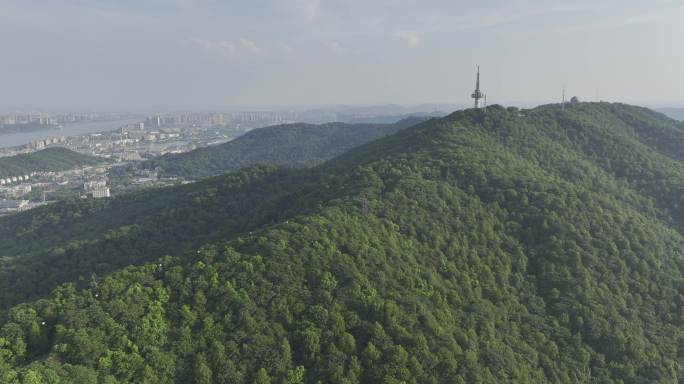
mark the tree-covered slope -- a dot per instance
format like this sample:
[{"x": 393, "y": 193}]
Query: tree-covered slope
[
  {"x": 292, "y": 145},
  {"x": 51, "y": 159},
  {"x": 517, "y": 246},
  {"x": 76, "y": 238}
]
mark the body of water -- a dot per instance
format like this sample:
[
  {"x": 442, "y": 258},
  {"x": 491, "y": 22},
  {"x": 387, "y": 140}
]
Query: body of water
[{"x": 21, "y": 138}]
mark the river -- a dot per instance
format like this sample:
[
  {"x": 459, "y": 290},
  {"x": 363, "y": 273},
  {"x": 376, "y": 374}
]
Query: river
[{"x": 79, "y": 129}]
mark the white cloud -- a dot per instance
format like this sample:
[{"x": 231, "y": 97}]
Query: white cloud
[
  {"x": 286, "y": 49},
  {"x": 335, "y": 48},
  {"x": 410, "y": 38},
  {"x": 250, "y": 46},
  {"x": 222, "y": 48},
  {"x": 226, "y": 49},
  {"x": 311, "y": 8}
]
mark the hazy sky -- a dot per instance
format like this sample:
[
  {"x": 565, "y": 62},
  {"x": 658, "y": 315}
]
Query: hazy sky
[{"x": 213, "y": 53}]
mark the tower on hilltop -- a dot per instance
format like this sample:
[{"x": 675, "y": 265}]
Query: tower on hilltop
[{"x": 477, "y": 95}]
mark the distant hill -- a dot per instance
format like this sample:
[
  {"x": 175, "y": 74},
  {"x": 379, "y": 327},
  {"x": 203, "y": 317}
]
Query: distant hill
[
  {"x": 352, "y": 114},
  {"x": 391, "y": 119},
  {"x": 51, "y": 159},
  {"x": 516, "y": 246},
  {"x": 291, "y": 145},
  {"x": 675, "y": 113}
]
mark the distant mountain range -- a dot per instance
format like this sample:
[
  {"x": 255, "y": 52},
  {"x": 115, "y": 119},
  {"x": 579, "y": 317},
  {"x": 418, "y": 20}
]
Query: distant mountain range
[
  {"x": 389, "y": 113},
  {"x": 391, "y": 118},
  {"x": 291, "y": 145}
]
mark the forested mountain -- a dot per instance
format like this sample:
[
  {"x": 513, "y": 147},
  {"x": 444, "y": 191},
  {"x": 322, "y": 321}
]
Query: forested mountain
[
  {"x": 51, "y": 159},
  {"x": 530, "y": 246},
  {"x": 291, "y": 145}
]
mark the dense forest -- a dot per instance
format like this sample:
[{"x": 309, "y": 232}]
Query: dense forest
[
  {"x": 51, "y": 159},
  {"x": 531, "y": 246},
  {"x": 291, "y": 145}
]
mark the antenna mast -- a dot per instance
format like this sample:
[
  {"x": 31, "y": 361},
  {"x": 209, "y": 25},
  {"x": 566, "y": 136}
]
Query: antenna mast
[
  {"x": 477, "y": 94},
  {"x": 563, "y": 102}
]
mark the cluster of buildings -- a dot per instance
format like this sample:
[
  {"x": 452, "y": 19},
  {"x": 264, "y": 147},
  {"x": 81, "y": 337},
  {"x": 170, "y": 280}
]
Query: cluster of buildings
[
  {"x": 186, "y": 120},
  {"x": 20, "y": 193},
  {"x": 15, "y": 191},
  {"x": 132, "y": 143},
  {"x": 141, "y": 140},
  {"x": 96, "y": 189},
  {"x": 213, "y": 119},
  {"x": 264, "y": 118},
  {"x": 12, "y": 195},
  {"x": 199, "y": 119},
  {"x": 15, "y": 179},
  {"x": 13, "y": 206},
  {"x": 25, "y": 119},
  {"x": 155, "y": 136},
  {"x": 42, "y": 118},
  {"x": 42, "y": 144},
  {"x": 137, "y": 132}
]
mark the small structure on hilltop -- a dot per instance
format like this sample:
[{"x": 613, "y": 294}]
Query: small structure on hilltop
[{"x": 477, "y": 94}]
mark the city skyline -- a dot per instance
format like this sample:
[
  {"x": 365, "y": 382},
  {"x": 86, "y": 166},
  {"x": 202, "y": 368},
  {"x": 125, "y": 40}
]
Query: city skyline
[{"x": 174, "y": 54}]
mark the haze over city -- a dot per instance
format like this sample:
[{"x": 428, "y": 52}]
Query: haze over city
[{"x": 110, "y": 54}]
